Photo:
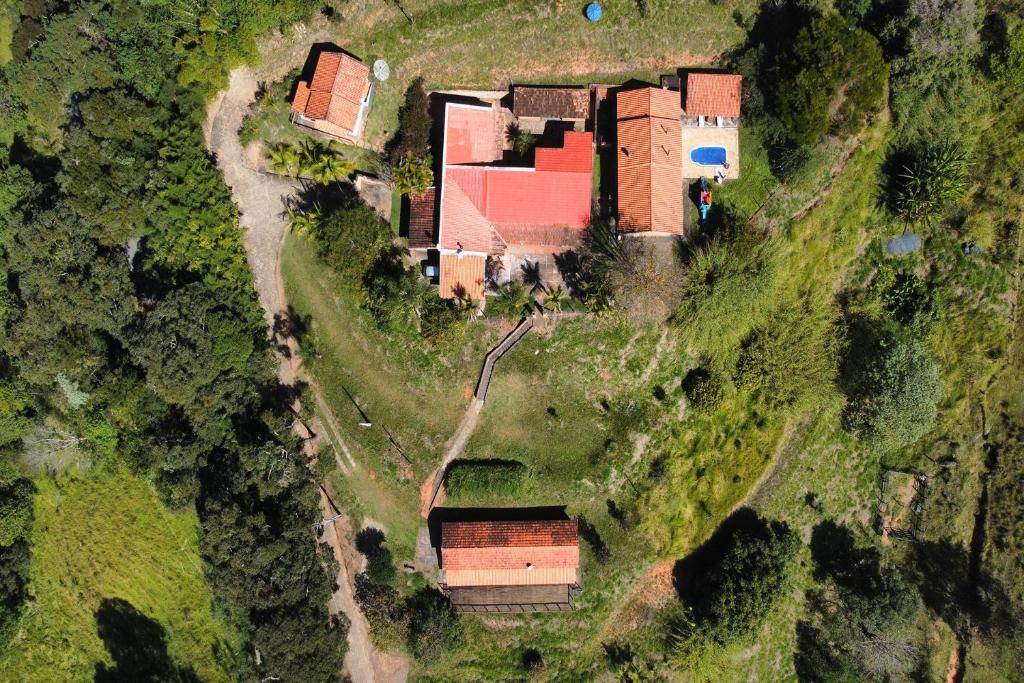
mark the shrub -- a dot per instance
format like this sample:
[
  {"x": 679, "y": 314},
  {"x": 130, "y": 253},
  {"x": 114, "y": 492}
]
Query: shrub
[
  {"x": 644, "y": 281},
  {"x": 731, "y": 596},
  {"x": 704, "y": 388},
  {"x": 935, "y": 92},
  {"x": 1006, "y": 64},
  {"x": 934, "y": 178},
  {"x": 792, "y": 357},
  {"x": 350, "y": 239},
  {"x": 486, "y": 478},
  {"x": 897, "y": 401},
  {"x": 829, "y": 59},
  {"x": 434, "y": 627},
  {"x": 729, "y": 290},
  {"x": 910, "y": 300},
  {"x": 414, "y": 124},
  {"x": 440, "y": 319},
  {"x": 384, "y": 610},
  {"x": 380, "y": 568}
]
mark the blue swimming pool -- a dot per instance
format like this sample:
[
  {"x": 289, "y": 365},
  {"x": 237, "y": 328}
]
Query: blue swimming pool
[{"x": 708, "y": 156}]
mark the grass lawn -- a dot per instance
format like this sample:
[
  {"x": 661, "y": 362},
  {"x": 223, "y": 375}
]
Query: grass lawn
[
  {"x": 416, "y": 393},
  {"x": 102, "y": 535}
]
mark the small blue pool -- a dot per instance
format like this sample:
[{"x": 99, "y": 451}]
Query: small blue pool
[{"x": 708, "y": 156}]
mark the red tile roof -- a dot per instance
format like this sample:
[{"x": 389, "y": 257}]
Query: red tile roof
[
  {"x": 713, "y": 95},
  {"x": 472, "y": 135},
  {"x": 553, "y": 532},
  {"x": 540, "y": 557},
  {"x": 462, "y": 225},
  {"x": 301, "y": 98},
  {"x": 479, "y": 198},
  {"x": 421, "y": 219},
  {"x": 647, "y": 102},
  {"x": 339, "y": 85},
  {"x": 462, "y": 274},
  {"x": 650, "y": 182}
]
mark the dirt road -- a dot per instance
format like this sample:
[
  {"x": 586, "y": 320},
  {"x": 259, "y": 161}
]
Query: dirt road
[{"x": 262, "y": 200}]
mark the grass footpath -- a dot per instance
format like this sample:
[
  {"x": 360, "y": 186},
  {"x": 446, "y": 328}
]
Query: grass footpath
[{"x": 103, "y": 535}]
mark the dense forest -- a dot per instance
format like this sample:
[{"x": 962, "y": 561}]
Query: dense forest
[{"x": 130, "y": 331}]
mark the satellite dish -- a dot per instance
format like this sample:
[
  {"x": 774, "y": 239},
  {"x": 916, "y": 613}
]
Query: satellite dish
[{"x": 381, "y": 70}]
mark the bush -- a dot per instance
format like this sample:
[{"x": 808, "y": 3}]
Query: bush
[
  {"x": 644, "y": 281},
  {"x": 1006, "y": 63},
  {"x": 414, "y": 124},
  {"x": 792, "y": 357},
  {"x": 731, "y": 594},
  {"x": 481, "y": 479},
  {"x": 434, "y": 627},
  {"x": 704, "y": 388},
  {"x": 380, "y": 568},
  {"x": 829, "y": 59},
  {"x": 729, "y": 290},
  {"x": 896, "y": 403},
  {"x": 933, "y": 179},
  {"x": 440, "y": 319},
  {"x": 350, "y": 239},
  {"x": 935, "y": 94},
  {"x": 910, "y": 300},
  {"x": 384, "y": 609}
]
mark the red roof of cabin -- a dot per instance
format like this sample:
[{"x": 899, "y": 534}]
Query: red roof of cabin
[
  {"x": 713, "y": 95},
  {"x": 509, "y": 545},
  {"x": 335, "y": 93}
]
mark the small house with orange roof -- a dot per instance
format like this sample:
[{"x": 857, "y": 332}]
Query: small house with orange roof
[
  {"x": 336, "y": 100},
  {"x": 510, "y": 566},
  {"x": 711, "y": 116}
]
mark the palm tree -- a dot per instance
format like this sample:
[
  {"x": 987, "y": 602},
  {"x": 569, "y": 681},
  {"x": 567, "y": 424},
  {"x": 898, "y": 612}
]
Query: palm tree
[
  {"x": 933, "y": 181},
  {"x": 283, "y": 159},
  {"x": 532, "y": 278},
  {"x": 303, "y": 222},
  {"x": 413, "y": 174},
  {"x": 330, "y": 168},
  {"x": 514, "y": 298},
  {"x": 310, "y": 152},
  {"x": 555, "y": 299}
]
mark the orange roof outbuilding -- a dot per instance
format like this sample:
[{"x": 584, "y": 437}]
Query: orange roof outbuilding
[
  {"x": 713, "y": 95},
  {"x": 336, "y": 92},
  {"x": 650, "y": 157},
  {"x": 510, "y": 553},
  {"x": 462, "y": 274}
]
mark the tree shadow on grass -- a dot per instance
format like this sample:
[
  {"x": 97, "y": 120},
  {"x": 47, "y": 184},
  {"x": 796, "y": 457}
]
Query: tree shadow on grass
[{"x": 138, "y": 646}]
